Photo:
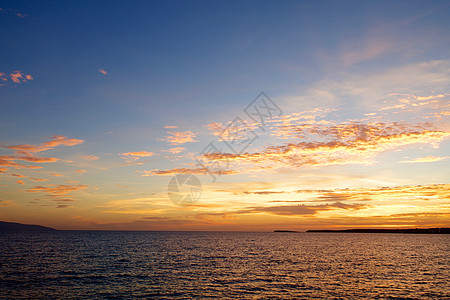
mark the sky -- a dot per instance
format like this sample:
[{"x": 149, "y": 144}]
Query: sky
[{"x": 225, "y": 115}]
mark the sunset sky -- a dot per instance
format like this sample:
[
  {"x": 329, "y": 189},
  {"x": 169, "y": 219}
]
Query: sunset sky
[{"x": 103, "y": 102}]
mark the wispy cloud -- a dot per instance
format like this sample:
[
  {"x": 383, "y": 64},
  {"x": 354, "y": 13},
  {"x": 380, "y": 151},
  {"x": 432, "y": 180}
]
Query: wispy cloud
[
  {"x": 193, "y": 171},
  {"x": 426, "y": 159},
  {"x": 296, "y": 210},
  {"x": 176, "y": 150},
  {"x": 346, "y": 143},
  {"x": 57, "y": 189},
  {"x": 18, "y": 175},
  {"x": 57, "y": 140},
  {"x": 179, "y": 137},
  {"x": 102, "y": 71},
  {"x": 90, "y": 157},
  {"x": 133, "y": 156},
  {"x": 27, "y": 152}
]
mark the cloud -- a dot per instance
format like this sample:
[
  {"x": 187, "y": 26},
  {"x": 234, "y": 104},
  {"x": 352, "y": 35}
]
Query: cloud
[
  {"x": 175, "y": 150},
  {"x": 16, "y": 77},
  {"x": 426, "y": 159},
  {"x": 37, "y": 159},
  {"x": 57, "y": 140},
  {"x": 170, "y": 126},
  {"x": 102, "y": 71},
  {"x": 138, "y": 154},
  {"x": 19, "y": 175},
  {"x": 27, "y": 152},
  {"x": 8, "y": 161},
  {"x": 180, "y": 137},
  {"x": 5, "y": 203},
  {"x": 20, "y": 182},
  {"x": 80, "y": 171},
  {"x": 57, "y": 189},
  {"x": 296, "y": 210},
  {"x": 368, "y": 90},
  {"x": 264, "y": 192},
  {"x": 38, "y": 179},
  {"x": 345, "y": 143},
  {"x": 216, "y": 128},
  {"x": 90, "y": 157},
  {"x": 394, "y": 194},
  {"x": 63, "y": 206},
  {"x": 194, "y": 171},
  {"x": 133, "y": 156}
]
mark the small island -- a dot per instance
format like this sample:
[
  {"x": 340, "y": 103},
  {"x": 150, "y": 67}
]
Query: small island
[
  {"x": 9, "y": 226},
  {"x": 384, "y": 230}
]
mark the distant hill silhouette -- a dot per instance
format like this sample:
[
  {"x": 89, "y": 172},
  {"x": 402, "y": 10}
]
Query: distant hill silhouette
[
  {"x": 9, "y": 226},
  {"x": 412, "y": 230}
]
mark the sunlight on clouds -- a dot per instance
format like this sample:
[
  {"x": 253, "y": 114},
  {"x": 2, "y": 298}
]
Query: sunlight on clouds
[
  {"x": 54, "y": 189},
  {"x": 16, "y": 77},
  {"x": 131, "y": 156},
  {"x": 179, "y": 137},
  {"x": 425, "y": 159},
  {"x": 27, "y": 152}
]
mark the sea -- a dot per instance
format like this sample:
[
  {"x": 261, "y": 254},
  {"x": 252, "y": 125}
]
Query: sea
[{"x": 227, "y": 265}]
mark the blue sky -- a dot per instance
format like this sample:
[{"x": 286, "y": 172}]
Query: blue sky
[{"x": 115, "y": 74}]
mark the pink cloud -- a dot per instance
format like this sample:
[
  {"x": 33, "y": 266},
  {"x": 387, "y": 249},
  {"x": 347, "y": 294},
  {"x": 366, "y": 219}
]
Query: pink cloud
[
  {"x": 17, "y": 77},
  {"x": 90, "y": 157}
]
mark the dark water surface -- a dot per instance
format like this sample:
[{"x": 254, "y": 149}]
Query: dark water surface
[{"x": 178, "y": 265}]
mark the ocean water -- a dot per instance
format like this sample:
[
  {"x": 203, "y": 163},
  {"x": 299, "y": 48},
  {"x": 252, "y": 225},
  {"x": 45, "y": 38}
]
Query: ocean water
[{"x": 244, "y": 265}]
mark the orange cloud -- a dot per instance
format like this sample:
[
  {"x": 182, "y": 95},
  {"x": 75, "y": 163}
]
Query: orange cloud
[
  {"x": 18, "y": 175},
  {"x": 195, "y": 171},
  {"x": 346, "y": 143},
  {"x": 176, "y": 150},
  {"x": 180, "y": 137},
  {"x": 90, "y": 157},
  {"x": 20, "y": 182},
  {"x": 57, "y": 140},
  {"x": 138, "y": 154},
  {"x": 38, "y": 179},
  {"x": 7, "y": 161},
  {"x": 57, "y": 189},
  {"x": 132, "y": 156},
  {"x": 26, "y": 152},
  {"x": 216, "y": 128},
  {"x": 37, "y": 159},
  {"x": 295, "y": 210},
  {"x": 102, "y": 71},
  {"x": 20, "y": 77},
  {"x": 408, "y": 193},
  {"x": 80, "y": 171},
  {"x": 170, "y": 126}
]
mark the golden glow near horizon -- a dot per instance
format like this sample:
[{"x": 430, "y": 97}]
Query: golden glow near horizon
[{"x": 309, "y": 186}]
